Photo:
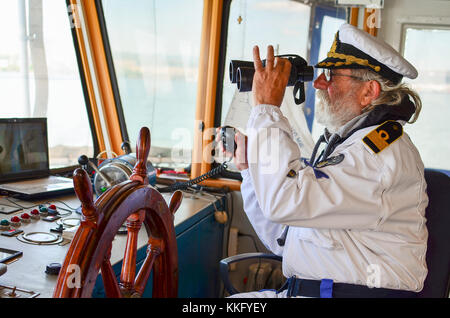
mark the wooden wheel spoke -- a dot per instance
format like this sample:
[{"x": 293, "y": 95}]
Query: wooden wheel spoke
[
  {"x": 154, "y": 249},
  {"x": 175, "y": 201},
  {"x": 127, "y": 276},
  {"x": 110, "y": 283}
]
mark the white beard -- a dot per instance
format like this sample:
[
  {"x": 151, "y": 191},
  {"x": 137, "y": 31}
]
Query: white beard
[{"x": 337, "y": 114}]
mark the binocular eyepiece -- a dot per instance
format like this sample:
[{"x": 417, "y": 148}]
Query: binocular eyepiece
[{"x": 242, "y": 72}]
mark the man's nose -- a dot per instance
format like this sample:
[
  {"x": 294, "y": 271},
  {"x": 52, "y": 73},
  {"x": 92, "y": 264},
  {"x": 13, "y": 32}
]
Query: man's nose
[{"x": 321, "y": 82}]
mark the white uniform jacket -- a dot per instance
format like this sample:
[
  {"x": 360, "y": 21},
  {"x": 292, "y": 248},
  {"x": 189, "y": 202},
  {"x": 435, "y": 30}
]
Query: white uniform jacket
[{"x": 359, "y": 221}]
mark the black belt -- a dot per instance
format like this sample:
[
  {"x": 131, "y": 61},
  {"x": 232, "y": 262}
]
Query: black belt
[{"x": 326, "y": 288}]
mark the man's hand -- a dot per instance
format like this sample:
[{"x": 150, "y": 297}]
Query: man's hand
[
  {"x": 240, "y": 154},
  {"x": 269, "y": 83}
]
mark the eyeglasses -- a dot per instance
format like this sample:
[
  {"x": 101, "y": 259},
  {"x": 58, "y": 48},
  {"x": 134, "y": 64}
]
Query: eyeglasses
[{"x": 329, "y": 75}]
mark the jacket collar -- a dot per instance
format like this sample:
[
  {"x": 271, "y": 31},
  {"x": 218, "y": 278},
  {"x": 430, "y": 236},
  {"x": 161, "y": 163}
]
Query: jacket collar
[{"x": 378, "y": 115}]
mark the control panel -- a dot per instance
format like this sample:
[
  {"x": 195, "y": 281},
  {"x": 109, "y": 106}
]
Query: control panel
[
  {"x": 33, "y": 242},
  {"x": 17, "y": 225}
]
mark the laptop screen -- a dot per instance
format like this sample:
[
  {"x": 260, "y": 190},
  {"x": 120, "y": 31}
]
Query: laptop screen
[{"x": 23, "y": 148}]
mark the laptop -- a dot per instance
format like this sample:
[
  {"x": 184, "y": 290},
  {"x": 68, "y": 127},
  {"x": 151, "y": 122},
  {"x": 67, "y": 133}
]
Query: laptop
[{"x": 24, "y": 160}]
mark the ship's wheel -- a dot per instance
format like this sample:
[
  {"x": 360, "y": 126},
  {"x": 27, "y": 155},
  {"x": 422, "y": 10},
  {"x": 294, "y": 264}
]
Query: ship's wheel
[{"x": 134, "y": 202}]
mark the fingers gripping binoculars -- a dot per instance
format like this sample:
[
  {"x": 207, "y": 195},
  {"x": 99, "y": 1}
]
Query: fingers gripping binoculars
[{"x": 241, "y": 73}]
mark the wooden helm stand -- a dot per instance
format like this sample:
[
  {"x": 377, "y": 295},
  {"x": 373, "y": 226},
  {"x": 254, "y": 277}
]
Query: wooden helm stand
[{"x": 135, "y": 202}]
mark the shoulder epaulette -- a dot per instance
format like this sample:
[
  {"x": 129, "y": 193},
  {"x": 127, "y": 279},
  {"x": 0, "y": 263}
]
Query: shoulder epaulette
[{"x": 384, "y": 135}]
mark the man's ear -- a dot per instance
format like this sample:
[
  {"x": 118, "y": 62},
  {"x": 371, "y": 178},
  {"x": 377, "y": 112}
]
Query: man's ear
[{"x": 370, "y": 92}]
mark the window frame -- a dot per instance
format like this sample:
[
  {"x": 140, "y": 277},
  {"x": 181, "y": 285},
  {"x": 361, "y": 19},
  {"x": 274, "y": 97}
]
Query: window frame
[
  {"x": 222, "y": 59},
  {"x": 90, "y": 115},
  {"x": 92, "y": 62},
  {"x": 111, "y": 69}
]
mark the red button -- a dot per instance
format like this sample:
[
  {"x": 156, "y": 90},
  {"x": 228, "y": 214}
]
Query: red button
[
  {"x": 35, "y": 212},
  {"x": 25, "y": 216},
  {"x": 15, "y": 219},
  {"x": 52, "y": 206}
]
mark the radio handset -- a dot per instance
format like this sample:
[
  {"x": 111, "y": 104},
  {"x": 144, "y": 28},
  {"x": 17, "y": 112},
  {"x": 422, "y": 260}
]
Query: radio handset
[{"x": 227, "y": 134}]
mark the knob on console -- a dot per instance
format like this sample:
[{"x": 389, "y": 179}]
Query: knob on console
[
  {"x": 83, "y": 160},
  {"x": 15, "y": 221},
  {"x": 25, "y": 217},
  {"x": 4, "y": 224},
  {"x": 35, "y": 214},
  {"x": 51, "y": 209},
  {"x": 53, "y": 268},
  {"x": 43, "y": 211}
]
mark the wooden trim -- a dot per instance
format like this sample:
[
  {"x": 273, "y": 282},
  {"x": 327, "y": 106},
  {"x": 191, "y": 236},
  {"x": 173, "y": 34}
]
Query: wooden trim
[
  {"x": 207, "y": 82},
  {"x": 354, "y": 12},
  {"x": 213, "y": 66},
  {"x": 206, "y": 94},
  {"x": 88, "y": 78},
  {"x": 201, "y": 91},
  {"x": 102, "y": 74},
  {"x": 233, "y": 185}
]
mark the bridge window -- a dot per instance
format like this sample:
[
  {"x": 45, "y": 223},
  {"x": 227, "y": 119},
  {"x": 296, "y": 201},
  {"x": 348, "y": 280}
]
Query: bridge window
[
  {"x": 284, "y": 24},
  {"x": 327, "y": 22},
  {"x": 155, "y": 46},
  {"x": 39, "y": 76},
  {"x": 430, "y": 133}
]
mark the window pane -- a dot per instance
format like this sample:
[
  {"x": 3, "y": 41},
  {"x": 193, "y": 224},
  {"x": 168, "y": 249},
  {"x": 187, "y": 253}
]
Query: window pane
[
  {"x": 39, "y": 76},
  {"x": 430, "y": 133},
  {"x": 330, "y": 26},
  {"x": 284, "y": 24},
  {"x": 155, "y": 47}
]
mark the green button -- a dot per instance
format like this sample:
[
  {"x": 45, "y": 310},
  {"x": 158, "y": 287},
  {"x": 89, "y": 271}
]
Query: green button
[
  {"x": 103, "y": 189},
  {"x": 4, "y": 222}
]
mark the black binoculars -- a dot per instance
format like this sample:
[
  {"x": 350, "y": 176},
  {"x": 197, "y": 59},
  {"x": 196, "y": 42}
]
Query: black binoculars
[{"x": 242, "y": 72}]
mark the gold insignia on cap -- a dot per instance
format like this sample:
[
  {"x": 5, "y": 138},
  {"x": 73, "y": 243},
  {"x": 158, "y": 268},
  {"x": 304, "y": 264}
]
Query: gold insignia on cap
[{"x": 348, "y": 59}]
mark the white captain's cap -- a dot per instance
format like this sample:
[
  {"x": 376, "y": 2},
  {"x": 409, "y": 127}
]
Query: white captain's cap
[{"x": 354, "y": 48}]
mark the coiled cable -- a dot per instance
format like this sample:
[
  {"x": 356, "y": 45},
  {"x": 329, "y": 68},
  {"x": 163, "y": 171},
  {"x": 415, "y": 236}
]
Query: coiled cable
[{"x": 184, "y": 185}]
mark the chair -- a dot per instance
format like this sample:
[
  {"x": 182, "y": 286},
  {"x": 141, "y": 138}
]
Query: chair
[{"x": 437, "y": 282}]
